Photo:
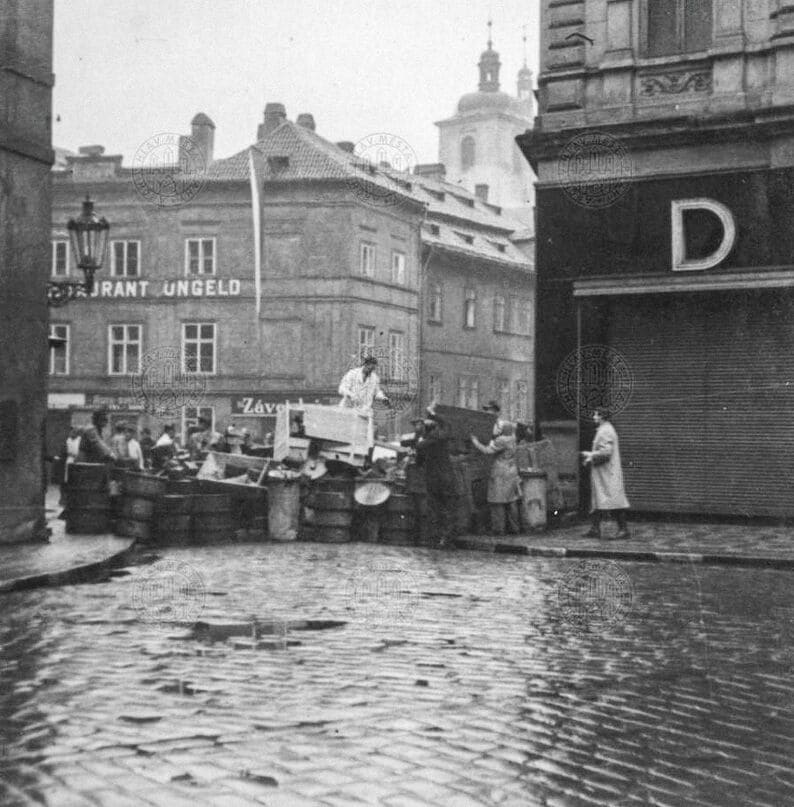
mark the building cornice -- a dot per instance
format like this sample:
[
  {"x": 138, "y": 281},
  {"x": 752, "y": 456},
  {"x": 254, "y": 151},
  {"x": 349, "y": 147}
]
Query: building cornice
[{"x": 539, "y": 145}]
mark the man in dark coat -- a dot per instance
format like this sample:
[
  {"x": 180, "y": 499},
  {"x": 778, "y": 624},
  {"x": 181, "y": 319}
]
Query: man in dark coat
[
  {"x": 92, "y": 447},
  {"x": 432, "y": 455}
]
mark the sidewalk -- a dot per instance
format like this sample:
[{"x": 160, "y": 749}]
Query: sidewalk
[
  {"x": 75, "y": 558},
  {"x": 65, "y": 559},
  {"x": 729, "y": 544}
]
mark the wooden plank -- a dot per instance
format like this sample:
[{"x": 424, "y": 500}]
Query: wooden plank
[{"x": 465, "y": 422}]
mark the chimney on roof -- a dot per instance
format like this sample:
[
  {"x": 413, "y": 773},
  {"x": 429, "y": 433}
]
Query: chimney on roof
[
  {"x": 275, "y": 115},
  {"x": 91, "y": 164},
  {"x": 346, "y": 145},
  {"x": 91, "y": 151},
  {"x": 306, "y": 120},
  {"x": 481, "y": 192},
  {"x": 432, "y": 170},
  {"x": 202, "y": 135}
]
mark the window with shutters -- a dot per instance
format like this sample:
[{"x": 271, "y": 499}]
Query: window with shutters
[
  {"x": 366, "y": 341},
  {"x": 435, "y": 388},
  {"x": 124, "y": 349},
  {"x": 199, "y": 256},
  {"x": 398, "y": 267},
  {"x": 677, "y": 26},
  {"x": 198, "y": 347},
  {"x": 468, "y": 392},
  {"x": 367, "y": 259},
  {"x": 59, "y": 354},
  {"x": 499, "y": 314},
  {"x": 434, "y": 303},
  {"x": 60, "y": 259},
  {"x": 396, "y": 356},
  {"x": 124, "y": 258},
  {"x": 470, "y": 308}
]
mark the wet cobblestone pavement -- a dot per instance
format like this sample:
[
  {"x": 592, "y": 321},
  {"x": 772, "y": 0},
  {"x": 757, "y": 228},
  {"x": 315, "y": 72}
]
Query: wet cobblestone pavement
[{"x": 455, "y": 679}]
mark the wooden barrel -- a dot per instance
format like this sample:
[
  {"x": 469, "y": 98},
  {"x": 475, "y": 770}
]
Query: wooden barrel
[
  {"x": 88, "y": 522},
  {"x": 325, "y": 535},
  {"x": 213, "y": 518},
  {"x": 87, "y": 499},
  {"x": 212, "y": 503},
  {"x": 143, "y": 486},
  {"x": 180, "y": 487},
  {"x": 395, "y": 537},
  {"x": 88, "y": 476},
  {"x": 398, "y": 522},
  {"x": 172, "y": 504},
  {"x": 283, "y": 514},
  {"x": 333, "y": 518},
  {"x": 136, "y": 509},
  {"x": 130, "y": 528},
  {"x": 173, "y": 529}
]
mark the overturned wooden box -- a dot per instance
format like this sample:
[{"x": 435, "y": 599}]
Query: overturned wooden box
[{"x": 342, "y": 434}]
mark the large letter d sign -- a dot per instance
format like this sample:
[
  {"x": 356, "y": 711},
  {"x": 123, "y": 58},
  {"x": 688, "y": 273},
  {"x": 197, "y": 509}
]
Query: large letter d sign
[{"x": 680, "y": 261}]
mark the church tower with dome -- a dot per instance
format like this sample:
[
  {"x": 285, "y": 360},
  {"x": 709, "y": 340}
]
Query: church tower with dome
[{"x": 477, "y": 144}]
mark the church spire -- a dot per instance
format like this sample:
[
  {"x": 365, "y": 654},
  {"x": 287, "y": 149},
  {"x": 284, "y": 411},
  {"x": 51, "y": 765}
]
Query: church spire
[
  {"x": 525, "y": 76},
  {"x": 489, "y": 66}
]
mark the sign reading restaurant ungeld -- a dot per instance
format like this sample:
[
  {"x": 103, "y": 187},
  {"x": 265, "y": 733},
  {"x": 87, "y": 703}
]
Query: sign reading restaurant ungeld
[{"x": 195, "y": 287}]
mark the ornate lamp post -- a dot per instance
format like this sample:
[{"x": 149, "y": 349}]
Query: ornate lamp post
[{"x": 88, "y": 235}]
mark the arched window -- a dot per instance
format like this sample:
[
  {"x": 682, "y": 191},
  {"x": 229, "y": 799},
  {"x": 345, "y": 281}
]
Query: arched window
[{"x": 467, "y": 152}]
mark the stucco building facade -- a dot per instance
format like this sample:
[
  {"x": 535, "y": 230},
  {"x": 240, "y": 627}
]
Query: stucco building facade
[
  {"x": 26, "y": 155},
  {"x": 277, "y": 269}
]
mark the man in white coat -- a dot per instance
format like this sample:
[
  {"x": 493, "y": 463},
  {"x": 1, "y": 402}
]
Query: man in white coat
[
  {"x": 361, "y": 386},
  {"x": 606, "y": 475}
]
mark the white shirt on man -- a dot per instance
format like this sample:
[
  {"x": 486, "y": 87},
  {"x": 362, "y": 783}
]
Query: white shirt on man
[
  {"x": 359, "y": 392},
  {"x": 135, "y": 451}
]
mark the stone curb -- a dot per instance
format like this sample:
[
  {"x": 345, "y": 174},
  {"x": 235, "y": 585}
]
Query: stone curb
[
  {"x": 75, "y": 574},
  {"x": 757, "y": 561}
]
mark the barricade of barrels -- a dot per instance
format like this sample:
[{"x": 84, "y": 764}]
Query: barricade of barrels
[
  {"x": 162, "y": 511},
  {"x": 190, "y": 512},
  {"x": 331, "y": 515}
]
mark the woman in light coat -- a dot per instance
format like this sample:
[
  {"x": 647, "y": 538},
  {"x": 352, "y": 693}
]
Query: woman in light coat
[
  {"x": 606, "y": 488},
  {"x": 504, "y": 483}
]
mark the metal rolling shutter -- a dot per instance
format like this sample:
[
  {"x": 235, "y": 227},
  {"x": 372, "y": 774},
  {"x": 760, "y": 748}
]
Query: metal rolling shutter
[{"x": 710, "y": 424}]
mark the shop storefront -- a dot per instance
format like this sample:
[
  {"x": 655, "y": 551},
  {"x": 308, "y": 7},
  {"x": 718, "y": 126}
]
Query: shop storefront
[{"x": 689, "y": 284}]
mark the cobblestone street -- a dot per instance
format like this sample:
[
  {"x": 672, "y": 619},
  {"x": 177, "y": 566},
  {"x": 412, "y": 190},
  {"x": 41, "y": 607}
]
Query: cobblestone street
[{"x": 401, "y": 677}]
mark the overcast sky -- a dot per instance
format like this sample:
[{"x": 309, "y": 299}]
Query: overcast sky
[{"x": 128, "y": 69}]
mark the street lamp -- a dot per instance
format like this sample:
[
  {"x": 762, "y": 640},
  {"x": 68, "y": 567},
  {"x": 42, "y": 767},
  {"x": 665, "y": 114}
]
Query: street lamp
[{"x": 88, "y": 235}]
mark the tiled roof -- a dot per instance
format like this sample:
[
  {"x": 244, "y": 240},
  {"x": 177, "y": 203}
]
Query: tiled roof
[
  {"x": 310, "y": 157},
  {"x": 473, "y": 242},
  {"x": 465, "y": 224}
]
